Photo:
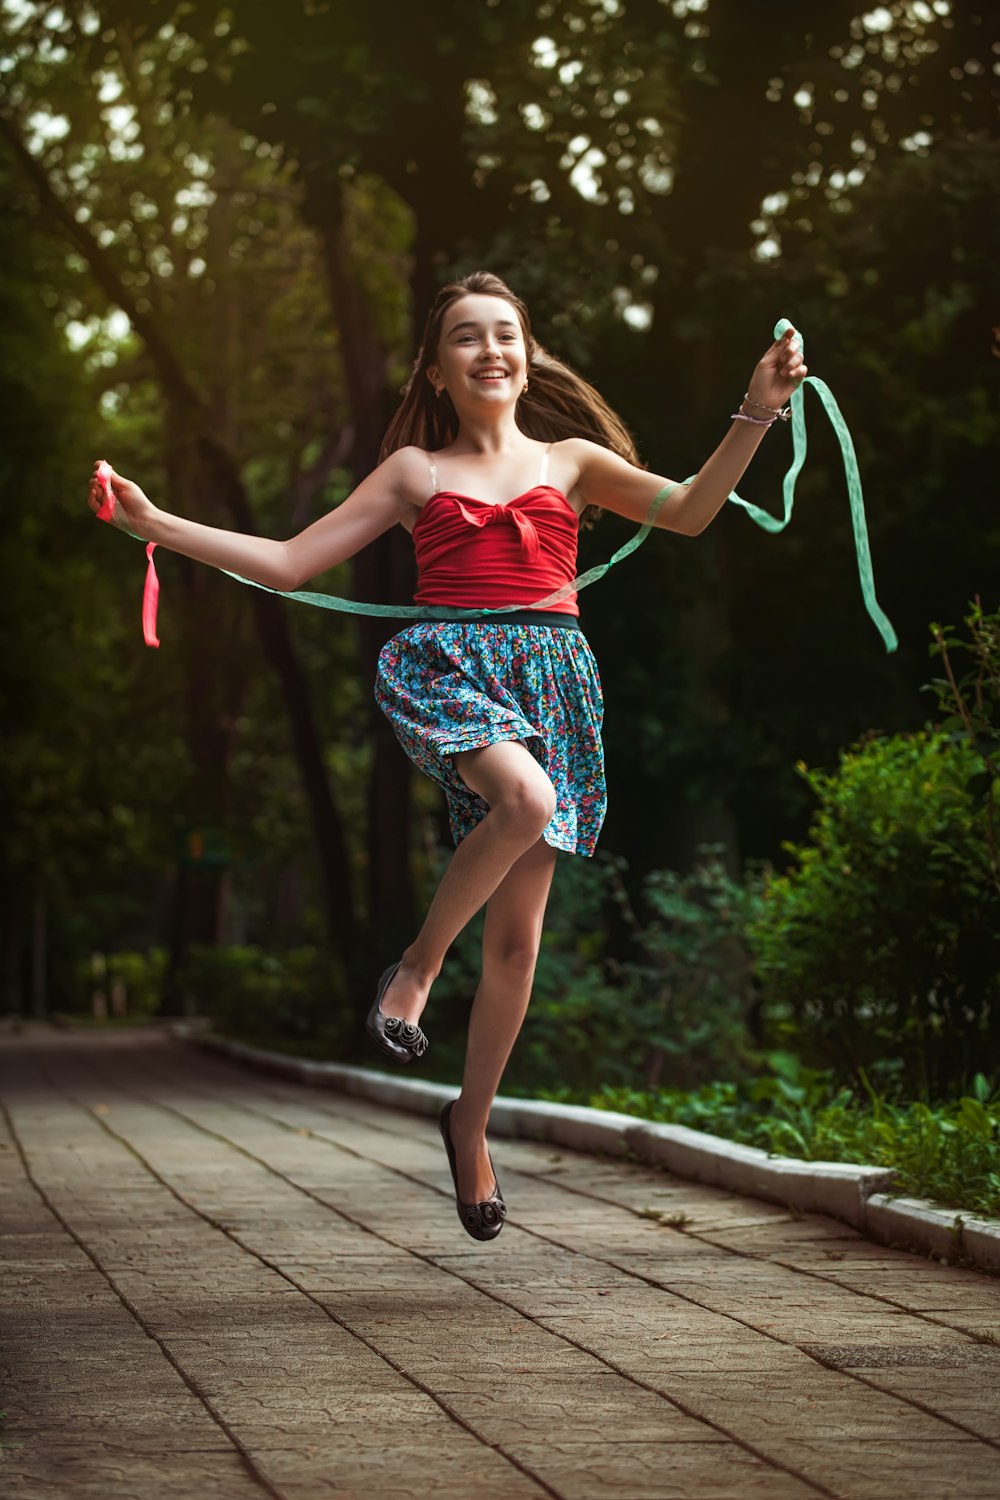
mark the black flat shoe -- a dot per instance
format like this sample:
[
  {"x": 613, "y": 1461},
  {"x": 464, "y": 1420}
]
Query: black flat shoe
[
  {"x": 401, "y": 1039},
  {"x": 483, "y": 1221}
]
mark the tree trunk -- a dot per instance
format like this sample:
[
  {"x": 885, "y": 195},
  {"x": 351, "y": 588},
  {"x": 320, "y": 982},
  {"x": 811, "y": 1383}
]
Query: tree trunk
[
  {"x": 278, "y": 648},
  {"x": 39, "y": 957},
  {"x": 214, "y": 678},
  {"x": 381, "y": 573},
  {"x": 328, "y": 828}
]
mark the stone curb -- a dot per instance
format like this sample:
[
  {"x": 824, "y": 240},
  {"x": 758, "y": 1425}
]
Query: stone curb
[{"x": 858, "y": 1195}]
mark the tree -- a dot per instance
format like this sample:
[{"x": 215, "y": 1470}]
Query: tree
[
  {"x": 148, "y": 245},
  {"x": 661, "y": 181},
  {"x": 610, "y": 139}
]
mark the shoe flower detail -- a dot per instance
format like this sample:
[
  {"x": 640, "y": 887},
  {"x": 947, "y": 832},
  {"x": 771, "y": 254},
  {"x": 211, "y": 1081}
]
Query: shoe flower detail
[
  {"x": 407, "y": 1034},
  {"x": 484, "y": 1215},
  {"x": 411, "y": 1036}
]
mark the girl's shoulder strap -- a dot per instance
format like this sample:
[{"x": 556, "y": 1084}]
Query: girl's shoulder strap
[
  {"x": 435, "y": 480},
  {"x": 544, "y": 472}
]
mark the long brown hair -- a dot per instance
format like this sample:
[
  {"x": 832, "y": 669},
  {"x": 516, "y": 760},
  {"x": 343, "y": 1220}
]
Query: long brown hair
[{"x": 558, "y": 403}]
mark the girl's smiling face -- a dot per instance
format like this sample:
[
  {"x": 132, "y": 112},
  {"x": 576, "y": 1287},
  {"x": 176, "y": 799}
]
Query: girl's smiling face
[{"x": 481, "y": 356}]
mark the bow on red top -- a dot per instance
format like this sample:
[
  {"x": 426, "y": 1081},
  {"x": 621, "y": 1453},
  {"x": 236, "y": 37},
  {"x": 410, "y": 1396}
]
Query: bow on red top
[{"x": 488, "y": 515}]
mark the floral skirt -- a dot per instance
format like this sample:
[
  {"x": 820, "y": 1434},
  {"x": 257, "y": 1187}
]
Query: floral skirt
[{"x": 447, "y": 686}]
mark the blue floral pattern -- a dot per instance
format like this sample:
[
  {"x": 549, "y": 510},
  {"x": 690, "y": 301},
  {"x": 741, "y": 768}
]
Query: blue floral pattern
[{"x": 447, "y": 687}]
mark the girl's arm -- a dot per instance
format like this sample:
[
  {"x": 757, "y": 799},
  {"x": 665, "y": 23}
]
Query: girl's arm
[
  {"x": 378, "y": 503},
  {"x": 611, "y": 482}
]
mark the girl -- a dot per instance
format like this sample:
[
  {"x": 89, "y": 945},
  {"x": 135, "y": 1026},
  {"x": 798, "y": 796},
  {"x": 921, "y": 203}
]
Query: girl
[{"x": 496, "y": 454}]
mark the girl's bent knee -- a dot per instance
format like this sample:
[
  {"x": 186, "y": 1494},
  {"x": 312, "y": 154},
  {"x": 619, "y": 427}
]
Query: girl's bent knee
[{"x": 527, "y": 806}]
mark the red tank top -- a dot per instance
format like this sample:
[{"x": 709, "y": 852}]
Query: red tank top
[{"x": 473, "y": 553}]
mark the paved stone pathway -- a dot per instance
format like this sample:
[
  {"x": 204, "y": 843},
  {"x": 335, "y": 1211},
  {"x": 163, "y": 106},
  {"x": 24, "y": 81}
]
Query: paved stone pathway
[{"x": 216, "y": 1286}]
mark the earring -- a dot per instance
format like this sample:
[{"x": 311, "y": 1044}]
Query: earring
[
  {"x": 524, "y": 388},
  {"x": 437, "y": 391}
]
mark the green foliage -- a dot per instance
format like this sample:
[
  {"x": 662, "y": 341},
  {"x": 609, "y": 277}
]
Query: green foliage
[
  {"x": 213, "y": 210},
  {"x": 882, "y": 942},
  {"x": 971, "y": 705},
  {"x": 140, "y": 976},
  {"x": 291, "y": 999},
  {"x": 949, "y": 1152},
  {"x": 678, "y": 1009},
  {"x": 691, "y": 987},
  {"x": 578, "y": 1025}
]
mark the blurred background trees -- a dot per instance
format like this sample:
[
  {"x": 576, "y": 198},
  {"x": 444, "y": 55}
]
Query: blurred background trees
[{"x": 223, "y": 228}]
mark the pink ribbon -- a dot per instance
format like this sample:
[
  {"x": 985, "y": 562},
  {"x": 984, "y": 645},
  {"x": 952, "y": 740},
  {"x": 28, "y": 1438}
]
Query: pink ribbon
[
  {"x": 107, "y": 509},
  {"x": 150, "y": 599},
  {"x": 488, "y": 515}
]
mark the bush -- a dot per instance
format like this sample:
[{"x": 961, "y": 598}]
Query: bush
[
  {"x": 971, "y": 705},
  {"x": 950, "y": 1152},
  {"x": 142, "y": 976},
  {"x": 577, "y": 1028},
  {"x": 691, "y": 985},
  {"x": 676, "y": 1009},
  {"x": 880, "y": 948},
  {"x": 292, "y": 999},
  {"x": 138, "y": 977}
]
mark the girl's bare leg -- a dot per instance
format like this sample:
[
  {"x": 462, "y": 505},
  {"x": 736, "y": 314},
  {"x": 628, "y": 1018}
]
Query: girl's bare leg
[
  {"x": 521, "y": 800},
  {"x": 511, "y": 937}
]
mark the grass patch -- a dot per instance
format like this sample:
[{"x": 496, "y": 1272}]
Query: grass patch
[{"x": 947, "y": 1152}]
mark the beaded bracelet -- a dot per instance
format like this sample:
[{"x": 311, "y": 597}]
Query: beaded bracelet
[
  {"x": 781, "y": 412},
  {"x": 741, "y": 416}
]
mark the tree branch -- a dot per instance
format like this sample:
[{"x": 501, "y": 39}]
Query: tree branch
[
  {"x": 106, "y": 274},
  {"x": 306, "y": 483}
]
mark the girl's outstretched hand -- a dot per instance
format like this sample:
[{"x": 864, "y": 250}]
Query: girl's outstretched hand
[
  {"x": 116, "y": 499},
  {"x": 780, "y": 372}
]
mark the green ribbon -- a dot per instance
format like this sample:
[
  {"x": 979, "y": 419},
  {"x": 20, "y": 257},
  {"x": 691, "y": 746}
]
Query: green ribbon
[
  {"x": 583, "y": 580},
  {"x": 448, "y": 612},
  {"x": 858, "y": 523}
]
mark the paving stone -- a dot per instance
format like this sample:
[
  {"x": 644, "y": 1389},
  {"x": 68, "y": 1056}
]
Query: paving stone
[
  {"x": 54, "y": 1475},
  {"x": 924, "y": 1287},
  {"x": 446, "y": 1472},
  {"x": 534, "y": 1409},
  {"x": 980, "y": 1323},
  {"x": 962, "y": 1394},
  {"x": 776, "y": 1407},
  {"x": 928, "y": 1354},
  {"x": 660, "y": 1471},
  {"x": 876, "y": 1470},
  {"x": 298, "y": 1261}
]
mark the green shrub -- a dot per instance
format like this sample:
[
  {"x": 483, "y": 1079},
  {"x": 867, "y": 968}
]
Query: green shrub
[
  {"x": 949, "y": 1152},
  {"x": 971, "y": 705},
  {"x": 880, "y": 948},
  {"x": 577, "y": 1028},
  {"x": 139, "y": 975},
  {"x": 691, "y": 984},
  {"x": 142, "y": 975},
  {"x": 291, "y": 999},
  {"x": 676, "y": 1009}
]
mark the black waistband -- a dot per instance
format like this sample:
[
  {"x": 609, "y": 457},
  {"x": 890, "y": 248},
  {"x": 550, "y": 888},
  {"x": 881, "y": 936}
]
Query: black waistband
[{"x": 557, "y": 618}]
